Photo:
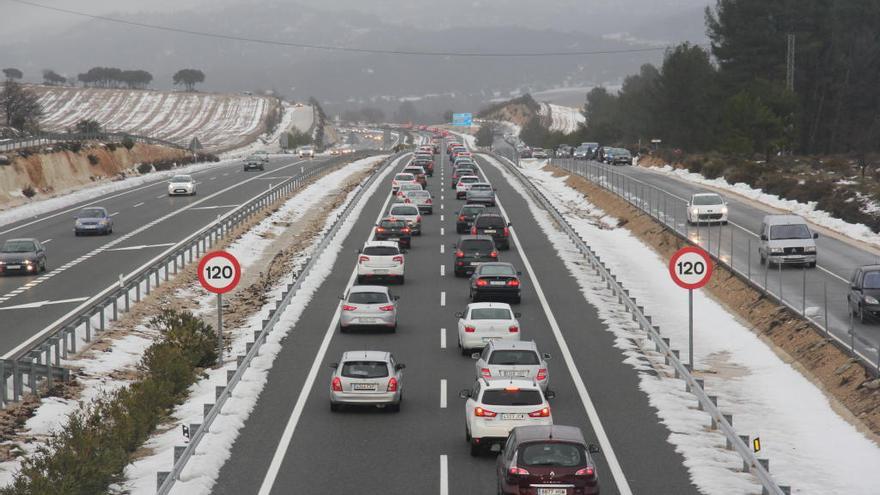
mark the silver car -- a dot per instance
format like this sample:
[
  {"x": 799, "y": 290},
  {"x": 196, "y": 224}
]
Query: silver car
[
  {"x": 93, "y": 220},
  {"x": 182, "y": 184},
  {"x": 422, "y": 199},
  {"x": 481, "y": 192},
  {"x": 368, "y": 306},
  {"x": 366, "y": 378},
  {"x": 409, "y": 213},
  {"x": 513, "y": 359}
]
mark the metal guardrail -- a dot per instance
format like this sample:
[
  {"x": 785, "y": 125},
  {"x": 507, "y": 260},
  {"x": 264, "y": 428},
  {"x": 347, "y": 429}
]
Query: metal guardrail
[
  {"x": 708, "y": 403},
  {"x": 26, "y": 364},
  {"x": 47, "y": 138},
  {"x": 164, "y": 479}
]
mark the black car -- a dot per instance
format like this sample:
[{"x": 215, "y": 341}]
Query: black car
[
  {"x": 864, "y": 293},
  {"x": 470, "y": 251},
  {"x": 495, "y": 226},
  {"x": 466, "y": 216},
  {"x": 495, "y": 282},
  {"x": 394, "y": 229},
  {"x": 22, "y": 256}
]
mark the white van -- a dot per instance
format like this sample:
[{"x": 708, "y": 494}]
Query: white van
[{"x": 786, "y": 239}]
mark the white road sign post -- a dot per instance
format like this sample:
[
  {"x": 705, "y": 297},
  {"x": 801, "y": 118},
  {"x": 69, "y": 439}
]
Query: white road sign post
[
  {"x": 690, "y": 268},
  {"x": 219, "y": 272}
]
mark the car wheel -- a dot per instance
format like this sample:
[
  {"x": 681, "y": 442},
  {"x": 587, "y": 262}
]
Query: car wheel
[
  {"x": 43, "y": 266},
  {"x": 812, "y": 264},
  {"x": 763, "y": 258},
  {"x": 395, "y": 408},
  {"x": 394, "y": 328},
  {"x": 335, "y": 407},
  {"x": 471, "y": 295},
  {"x": 402, "y": 279},
  {"x": 476, "y": 449},
  {"x": 517, "y": 300},
  {"x": 343, "y": 329},
  {"x": 467, "y": 435},
  {"x": 862, "y": 317},
  {"x": 76, "y": 233}
]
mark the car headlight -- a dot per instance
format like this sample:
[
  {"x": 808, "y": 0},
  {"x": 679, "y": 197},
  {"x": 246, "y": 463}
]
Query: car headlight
[
  {"x": 104, "y": 221},
  {"x": 871, "y": 300},
  {"x": 776, "y": 250},
  {"x": 724, "y": 210},
  {"x": 694, "y": 211},
  {"x": 78, "y": 221},
  {"x": 27, "y": 262},
  {"x": 810, "y": 249}
]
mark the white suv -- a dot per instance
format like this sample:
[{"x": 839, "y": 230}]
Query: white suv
[
  {"x": 484, "y": 322},
  {"x": 380, "y": 260},
  {"x": 493, "y": 408}
]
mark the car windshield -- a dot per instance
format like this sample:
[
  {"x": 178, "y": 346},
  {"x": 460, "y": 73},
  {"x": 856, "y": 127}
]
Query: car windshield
[
  {"x": 92, "y": 213},
  {"x": 513, "y": 357},
  {"x": 181, "y": 178},
  {"x": 793, "y": 231},
  {"x": 490, "y": 314},
  {"x": 496, "y": 270},
  {"x": 365, "y": 369},
  {"x": 381, "y": 251},
  {"x": 490, "y": 222},
  {"x": 552, "y": 454},
  {"x": 476, "y": 246},
  {"x": 18, "y": 247},
  {"x": 517, "y": 397},
  {"x": 368, "y": 298},
  {"x": 872, "y": 280},
  {"x": 707, "y": 199},
  {"x": 405, "y": 210}
]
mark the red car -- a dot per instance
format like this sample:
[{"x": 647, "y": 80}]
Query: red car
[{"x": 547, "y": 460}]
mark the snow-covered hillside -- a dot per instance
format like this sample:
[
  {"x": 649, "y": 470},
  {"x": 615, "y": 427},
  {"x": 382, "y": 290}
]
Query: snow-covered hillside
[
  {"x": 219, "y": 121},
  {"x": 565, "y": 119}
]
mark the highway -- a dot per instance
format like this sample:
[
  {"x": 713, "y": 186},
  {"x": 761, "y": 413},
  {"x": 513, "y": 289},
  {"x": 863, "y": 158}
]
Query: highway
[
  {"x": 146, "y": 222},
  {"x": 292, "y": 443}
]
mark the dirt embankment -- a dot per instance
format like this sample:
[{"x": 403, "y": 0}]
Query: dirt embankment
[
  {"x": 851, "y": 389},
  {"x": 63, "y": 170}
]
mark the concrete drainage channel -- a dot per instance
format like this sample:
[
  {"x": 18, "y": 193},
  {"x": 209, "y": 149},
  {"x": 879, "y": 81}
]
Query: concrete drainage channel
[
  {"x": 165, "y": 479},
  {"x": 760, "y": 468},
  {"x": 35, "y": 365}
]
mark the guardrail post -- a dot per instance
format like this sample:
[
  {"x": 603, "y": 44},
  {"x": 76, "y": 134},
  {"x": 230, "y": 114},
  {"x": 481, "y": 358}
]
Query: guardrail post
[
  {"x": 745, "y": 440},
  {"x": 156, "y": 273},
  {"x": 161, "y": 476},
  {"x": 127, "y": 305},
  {"x": 101, "y": 320},
  {"x": 206, "y": 408},
  {"x": 115, "y": 307},
  {"x": 88, "y": 323},
  {"x": 146, "y": 279}
]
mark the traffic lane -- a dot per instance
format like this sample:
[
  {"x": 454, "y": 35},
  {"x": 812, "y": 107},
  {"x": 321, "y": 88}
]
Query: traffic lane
[
  {"x": 630, "y": 422},
  {"x": 253, "y": 450}
]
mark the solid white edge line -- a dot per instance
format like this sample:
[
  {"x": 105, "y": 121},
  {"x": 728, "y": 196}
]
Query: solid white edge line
[
  {"x": 592, "y": 414},
  {"x": 287, "y": 435},
  {"x": 444, "y": 475},
  {"x": 443, "y": 338},
  {"x": 443, "y": 393}
]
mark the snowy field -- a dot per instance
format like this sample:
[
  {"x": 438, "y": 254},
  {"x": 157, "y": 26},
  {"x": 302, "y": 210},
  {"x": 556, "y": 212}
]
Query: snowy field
[
  {"x": 809, "y": 446},
  {"x": 219, "y": 121},
  {"x": 565, "y": 119}
]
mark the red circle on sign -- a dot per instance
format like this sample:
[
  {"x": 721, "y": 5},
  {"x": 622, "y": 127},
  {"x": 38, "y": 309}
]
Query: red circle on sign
[
  {"x": 232, "y": 281},
  {"x": 685, "y": 274}
]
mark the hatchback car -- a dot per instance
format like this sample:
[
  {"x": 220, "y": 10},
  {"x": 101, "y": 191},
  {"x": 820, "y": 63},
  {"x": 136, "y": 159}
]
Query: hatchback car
[
  {"x": 367, "y": 378},
  {"x": 470, "y": 251},
  {"x": 182, "y": 185},
  {"x": 480, "y": 192},
  {"x": 707, "y": 208},
  {"x": 464, "y": 184},
  {"x": 506, "y": 359},
  {"x": 419, "y": 173},
  {"x": 254, "y": 162},
  {"x": 466, "y": 216},
  {"x": 494, "y": 282},
  {"x": 496, "y": 407},
  {"x": 427, "y": 165},
  {"x": 410, "y": 214},
  {"x": 93, "y": 220},
  {"x": 864, "y": 293},
  {"x": 484, "y": 322},
  {"x": 22, "y": 256},
  {"x": 371, "y": 306},
  {"x": 494, "y": 226},
  {"x": 406, "y": 187},
  {"x": 460, "y": 172},
  {"x": 547, "y": 460},
  {"x": 400, "y": 179},
  {"x": 394, "y": 229},
  {"x": 422, "y": 199},
  {"x": 381, "y": 260}
]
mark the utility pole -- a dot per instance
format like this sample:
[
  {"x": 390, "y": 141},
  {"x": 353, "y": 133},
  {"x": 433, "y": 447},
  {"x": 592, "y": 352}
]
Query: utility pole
[{"x": 789, "y": 63}]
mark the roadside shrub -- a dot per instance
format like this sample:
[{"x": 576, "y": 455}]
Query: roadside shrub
[
  {"x": 75, "y": 146},
  {"x": 128, "y": 142},
  {"x": 163, "y": 165},
  {"x": 747, "y": 172},
  {"x": 111, "y": 146},
  {"x": 811, "y": 190},
  {"x": 29, "y": 191},
  {"x": 94, "y": 160},
  {"x": 144, "y": 168},
  {"x": 774, "y": 184},
  {"x": 713, "y": 168},
  {"x": 694, "y": 164}
]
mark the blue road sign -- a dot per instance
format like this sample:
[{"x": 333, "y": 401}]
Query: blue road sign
[{"x": 462, "y": 119}]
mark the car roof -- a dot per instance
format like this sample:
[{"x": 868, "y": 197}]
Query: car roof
[
  {"x": 488, "y": 305},
  {"x": 366, "y": 355},
  {"x": 783, "y": 220},
  {"x": 497, "y": 345},
  {"x": 496, "y": 263},
  {"x": 391, "y": 218},
  {"x": 481, "y": 184},
  {"x": 549, "y": 432},
  {"x": 497, "y": 384},
  {"x": 706, "y": 194},
  {"x": 381, "y": 244},
  {"x": 482, "y": 207},
  {"x": 870, "y": 268},
  {"x": 491, "y": 214},
  {"x": 403, "y": 205},
  {"x": 32, "y": 239},
  {"x": 369, "y": 288}
]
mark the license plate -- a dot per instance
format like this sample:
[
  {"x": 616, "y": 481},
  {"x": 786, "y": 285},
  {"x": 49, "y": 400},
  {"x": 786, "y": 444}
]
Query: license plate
[
  {"x": 487, "y": 339},
  {"x": 489, "y": 231},
  {"x": 363, "y": 386},
  {"x": 514, "y": 373},
  {"x": 367, "y": 320},
  {"x": 90, "y": 226},
  {"x": 394, "y": 238},
  {"x": 552, "y": 491},
  {"x": 13, "y": 267},
  {"x": 380, "y": 271},
  {"x": 496, "y": 283},
  {"x": 513, "y": 417}
]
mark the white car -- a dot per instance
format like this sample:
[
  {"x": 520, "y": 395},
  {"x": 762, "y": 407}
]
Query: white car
[
  {"x": 307, "y": 152},
  {"x": 707, "y": 208},
  {"x": 381, "y": 260},
  {"x": 404, "y": 188},
  {"x": 410, "y": 214},
  {"x": 484, "y": 322},
  {"x": 464, "y": 183},
  {"x": 182, "y": 185},
  {"x": 493, "y": 408},
  {"x": 506, "y": 359},
  {"x": 399, "y": 179}
]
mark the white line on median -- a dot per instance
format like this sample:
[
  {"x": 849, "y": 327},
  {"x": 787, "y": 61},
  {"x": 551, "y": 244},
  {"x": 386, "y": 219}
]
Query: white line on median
[
  {"x": 443, "y": 338},
  {"x": 442, "y": 248},
  {"x": 442, "y": 231},
  {"x": 442, "y": 298},
  {"x": 442, "y": 270},
  {"x": 160, "y": 196},
  {"x": 444, "y": 475},
  {"x": 443, "y": 394},
  {"x": 441, "y": 218}
]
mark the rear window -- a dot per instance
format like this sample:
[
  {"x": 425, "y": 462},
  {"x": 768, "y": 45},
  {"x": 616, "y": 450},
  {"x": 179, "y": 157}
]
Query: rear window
[
  {"x": 491, "y": 270},
  {"x": 481, "y": 187},
  {"x": 419, "y": 194},
  {"x": 391, "y": 224},
  {"x": 404, "y": 177},
  {"x": 368, "y": 298},
  {"x": 490, "y": 314},
  {"x": 405, "y": 210},
  {"x": 490, "y": 222},
  {"x": 365, "y": 369},
  {"x": 476, "y": 245},
  {"x": 472, "y": 210},
  {"x": 514, "y": 357},
  {"x": 468, "y": 180},
  {"x": 410, "y": 187},
  {"x": 381, "y": 251},
  {"x": 512, "y": 398},
  {"x": 552, "y": 454},
  {"x": 415, "y": 171}
]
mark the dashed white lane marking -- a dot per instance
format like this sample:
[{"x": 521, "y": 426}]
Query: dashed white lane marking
[
  {"x": 441, "y": 206},
  {"x": 441, "y": 218},
  {"x": 227, "y": 173},
  {"x": 40, "y": 304},
  {"x": 47, "y": 241},
  {"x": 213, "y": 178},
  {"x": 142, "y": 246},
  {"x": 443, "y": 338},
  {"x": 139, "y": 204},
  {"x": 442, "y": 231},
  {"x": 442, "y": 248},
  {"x": 114, "y": 214},
  {"x": 443, "y": 298},
  {"x": 160, "y": 196},
  {"x": 444, "y": 475},
  {"x": 442, "y": 270},
  {"x": 443, "y": 394}
]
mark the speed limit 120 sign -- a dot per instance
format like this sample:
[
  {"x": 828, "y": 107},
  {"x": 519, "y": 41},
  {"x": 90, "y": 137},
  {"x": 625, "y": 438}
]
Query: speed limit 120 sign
[
  {"x": 219, "y": 272},
  {"x": 690, "y": 267}
]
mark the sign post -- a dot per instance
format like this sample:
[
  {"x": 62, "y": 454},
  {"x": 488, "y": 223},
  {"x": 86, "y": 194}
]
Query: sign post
[
  {"x": 690, "y": 268},
  {"x": 219, "y": 272}
]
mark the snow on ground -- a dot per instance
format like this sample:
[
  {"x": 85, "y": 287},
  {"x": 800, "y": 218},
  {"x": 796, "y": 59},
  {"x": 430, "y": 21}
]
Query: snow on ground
[
  {"x": 271, "y": 143},
  {"x": 809, "y": 446},
  {"x": 565, "y": 119},
  {"x": 215, "y": 448},
  {"x": 101, "y": 371},
  {"x": 302, "y": 118},
  {"x": 856, "y": 231}
]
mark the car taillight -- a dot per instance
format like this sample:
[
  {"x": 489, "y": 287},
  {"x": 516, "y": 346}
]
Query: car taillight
[
  {"x": 346, "y": 307},
  {"x": 390, "y": 307},
  {"x": 588, "y": 471},
  {"x": 336, "y": 384},
  {"x": 470, "y": 329},
  {"x": 506, "y": 232},
  {"x": 362, "y": 259},
  {"x": 513, "y": 329},
  {"x": 482, "y": 282},
  {"x": 486, "y": 373},
  {"x": 380, "y": 229},
  {"x": 493, "y": 254},
  {"x": 513, "y": 283},
  {"x": 484, "y": 413},
  {"x": 428, "y": 201},
  {"x": 474, "y": 230},
  {"x": 392, "y": 384},
  {"x": 542, "y": 374},
  {"x": 459, "y": 254},
  {"x": 419, "y": 219},
  {"x": 407, "y": 200},
  {"x": 397, "y": 259},
  {"x": 517, "y": 471},
  {"x": 544, "y": 412},
  {"x": 461, "y": 218}
]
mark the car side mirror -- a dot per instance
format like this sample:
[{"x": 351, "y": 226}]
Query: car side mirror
[
  {"x": 815, "y": 235},
  {"x": 547, "y": 356},
  {"x": 593, "y": 448},
  {"x": 464, "y": 394},
  {"x": 334, "y": 365},
  {"x": 399, "y": 366},
  {"x": 396, "y": 298},
  {"x": 763, "y": 237},
  {"x": 517, "y": 315},
  {"x": 359, "y": 251},
  {"x": 475, "y": 355},
  {"x": 509, "y": 224},
  {"x": 550, "y": 394},
  {"x": 519, "y": 273},
  {"x": 855, "y": 287},
  {"x": 459, "y": 315}
]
